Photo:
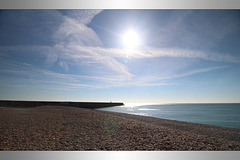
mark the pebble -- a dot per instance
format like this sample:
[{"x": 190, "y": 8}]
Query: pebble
[{"x": 67, "y": 128}]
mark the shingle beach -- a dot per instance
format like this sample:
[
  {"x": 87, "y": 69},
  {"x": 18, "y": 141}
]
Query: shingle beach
[{"x": 58, "y": 128}]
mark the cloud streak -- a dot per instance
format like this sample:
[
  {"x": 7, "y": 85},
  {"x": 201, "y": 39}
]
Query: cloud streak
[
  {"x": 48, "y": 78},
  {"x": 73, "y": 32},
  {"x": 148, "y": 53},
  {"x": 107, "y": 57},
  {"x": 78, "y": 45}
]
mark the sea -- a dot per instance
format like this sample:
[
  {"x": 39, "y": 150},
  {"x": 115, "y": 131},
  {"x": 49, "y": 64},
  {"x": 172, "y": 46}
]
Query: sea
[{"x": 221, "y": 114}]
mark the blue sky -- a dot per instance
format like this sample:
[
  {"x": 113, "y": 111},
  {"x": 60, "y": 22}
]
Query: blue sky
[{"x": 183, "y": 56}]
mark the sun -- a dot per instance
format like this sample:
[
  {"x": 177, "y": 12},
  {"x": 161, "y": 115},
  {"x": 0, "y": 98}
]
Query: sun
[{"x": 131, "y": 39}]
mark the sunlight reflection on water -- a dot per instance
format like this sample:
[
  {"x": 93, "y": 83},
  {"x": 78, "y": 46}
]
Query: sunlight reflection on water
[
  {"x": 147, "y": 109},
  {"x": 225, "y": 115}
]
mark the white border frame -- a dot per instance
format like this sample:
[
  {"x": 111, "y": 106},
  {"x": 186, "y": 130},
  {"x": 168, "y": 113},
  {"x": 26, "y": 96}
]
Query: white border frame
[{"x": 120, "y": 4}]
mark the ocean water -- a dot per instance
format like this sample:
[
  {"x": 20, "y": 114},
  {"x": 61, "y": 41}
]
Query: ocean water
[{"x": 223, "y": 115}]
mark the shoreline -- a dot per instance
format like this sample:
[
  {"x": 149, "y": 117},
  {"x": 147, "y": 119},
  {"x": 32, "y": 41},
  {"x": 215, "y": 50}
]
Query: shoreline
[
  {"x": 55, "y": 128},
  {"x": 181, "y": 125},
  {"x": 222, "y": 115}
]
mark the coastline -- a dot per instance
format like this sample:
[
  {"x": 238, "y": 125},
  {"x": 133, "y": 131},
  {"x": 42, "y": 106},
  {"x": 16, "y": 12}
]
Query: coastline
[{"x": 51, "y": 128}]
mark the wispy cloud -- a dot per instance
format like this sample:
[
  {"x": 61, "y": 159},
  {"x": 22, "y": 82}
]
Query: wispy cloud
[
  {"x": 108, "y": 58},
  {"x": 45, "y": 78},
  {"x": 82, "y": 16},
  {"x": 63, "y": 65},
  {"x": 91, "y": 52},
  {"x": 188, "y": 73},
  {"x": 33, "y": 73},
  {"x": 75, "y": 85},
  {"x": 78, "y": 45},
  {"x": 73, "y": 32}
]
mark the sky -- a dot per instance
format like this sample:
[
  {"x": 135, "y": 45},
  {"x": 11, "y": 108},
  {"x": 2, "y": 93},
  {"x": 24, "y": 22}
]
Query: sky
[{"x": 130, "y": 56}]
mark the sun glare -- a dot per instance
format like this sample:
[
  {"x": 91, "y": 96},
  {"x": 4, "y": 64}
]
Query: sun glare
[{"x": 131, "y": 39}]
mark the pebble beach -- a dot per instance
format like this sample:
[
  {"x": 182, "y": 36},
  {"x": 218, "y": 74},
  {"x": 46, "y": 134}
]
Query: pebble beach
[{"x": 59, "y": 128}]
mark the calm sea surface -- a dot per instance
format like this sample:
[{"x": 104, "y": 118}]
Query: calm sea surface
[{"x": 225, "y": 115}]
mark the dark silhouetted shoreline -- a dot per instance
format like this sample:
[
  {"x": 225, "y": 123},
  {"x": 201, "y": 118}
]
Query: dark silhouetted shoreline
[{"x": 29, "y": 104}]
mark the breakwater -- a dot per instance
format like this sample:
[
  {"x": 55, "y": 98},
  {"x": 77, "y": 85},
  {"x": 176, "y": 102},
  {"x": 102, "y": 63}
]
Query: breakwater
[{"x": 29, "y": 104}]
